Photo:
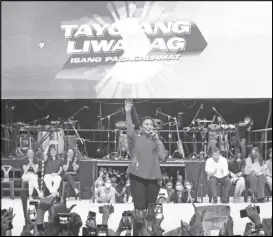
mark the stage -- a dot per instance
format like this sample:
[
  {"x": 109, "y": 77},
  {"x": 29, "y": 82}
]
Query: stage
[
  {"x": 171, "y": 221},
  {"x": 193, "y": 170}
]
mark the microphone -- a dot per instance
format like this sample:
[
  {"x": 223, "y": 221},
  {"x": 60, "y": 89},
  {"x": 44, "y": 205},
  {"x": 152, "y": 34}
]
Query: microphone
[
  {"x": 214, "y": 109},
  {"x": 122, "y": 110},
  {"x": 47, "y": 116},
  {"x": 85, "y": 107},
  {"x": 202, "y": 106},
  {"x": 157, "y": 111}
]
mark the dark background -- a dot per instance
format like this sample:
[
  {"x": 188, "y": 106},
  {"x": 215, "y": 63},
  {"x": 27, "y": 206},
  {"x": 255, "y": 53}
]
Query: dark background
[{"x": 233, "y": 111}]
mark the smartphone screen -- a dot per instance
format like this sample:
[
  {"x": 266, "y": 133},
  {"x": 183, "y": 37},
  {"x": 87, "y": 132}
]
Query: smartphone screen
[{"x": 102, "y": 230}]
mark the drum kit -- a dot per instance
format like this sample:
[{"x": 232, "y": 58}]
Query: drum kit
[
  {"x": 213, "y": 135},
  {"x": 27, "y": 136}
]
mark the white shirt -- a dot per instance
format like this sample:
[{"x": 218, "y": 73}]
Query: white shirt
[{"x": 221, "y": 167}]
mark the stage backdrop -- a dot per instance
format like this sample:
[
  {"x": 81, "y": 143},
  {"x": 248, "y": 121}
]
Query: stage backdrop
[{"x": 142, "y": 49}]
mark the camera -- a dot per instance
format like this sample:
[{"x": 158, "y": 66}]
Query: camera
[
  {"x": 127, "y": 220},
  {"x": 63, "y": 218},
  {"x": 159, "y": 210},
  {"x": 102, "y": 230},
  {"x": 89, "y": 231},
  {"x": 243, "y": 213}
]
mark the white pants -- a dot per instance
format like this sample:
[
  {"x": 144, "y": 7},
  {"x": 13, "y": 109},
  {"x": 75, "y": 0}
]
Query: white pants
[
  {"x": 52, "y": 182},
  {"x": 239, "y": 187},
  {"x": 269, "y": 182},
  {"x": 32, "y": 180}
]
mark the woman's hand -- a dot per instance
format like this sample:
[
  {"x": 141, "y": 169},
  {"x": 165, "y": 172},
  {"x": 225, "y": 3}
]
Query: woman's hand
[{"x": 128, "y": 105}]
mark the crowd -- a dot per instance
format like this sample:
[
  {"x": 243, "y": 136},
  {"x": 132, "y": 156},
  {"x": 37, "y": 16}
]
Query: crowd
[{"x": 63, "y": 222}]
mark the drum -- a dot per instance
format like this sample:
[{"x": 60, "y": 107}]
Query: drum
[
  {"x": 123, "y": 143},
  {"x": 121, "y": 125},
  {"x": 70, "y": 141},
  {"x": 232, "y": 128},
  {"x": 58, "y": 136},
  {"x": 212, "y": 128},
  {"x": 225, "y": 127}
]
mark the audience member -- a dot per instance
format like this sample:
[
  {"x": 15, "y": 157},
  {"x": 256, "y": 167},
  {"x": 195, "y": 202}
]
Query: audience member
[
  {"x": 120, "y": 189},
  {"x": 236, "y": 171},
  {"x": 106, "y": 193},
  {"x": 169, "y": 187},
  {"x": 128, "y": 195},
  {"x": 179, "y": 196},
  {"x": 254, "y": 175},
  {"x": 268, "y": 169},
  {"x": 217, "y": 172}
]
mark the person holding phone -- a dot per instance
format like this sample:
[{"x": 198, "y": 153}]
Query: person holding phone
[
  {"x": 146, "y": 150},
  {"x": 71, "y": 171},
  {"x": 254, "y": 175},
  {"x": 268, "y": 169},
  {"x": 53, "y": 168},
  {"x": 30, "y": 169}
]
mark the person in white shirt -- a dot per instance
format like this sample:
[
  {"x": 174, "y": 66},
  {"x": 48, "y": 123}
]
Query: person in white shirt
[
  {"x": 255, "y": 175},
  {"x": 268, "y": 169},
  {"x": 217, "y": 172}
]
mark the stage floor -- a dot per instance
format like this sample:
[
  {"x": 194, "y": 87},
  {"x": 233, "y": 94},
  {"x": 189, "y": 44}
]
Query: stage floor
[{"x": 173, "y": 213}]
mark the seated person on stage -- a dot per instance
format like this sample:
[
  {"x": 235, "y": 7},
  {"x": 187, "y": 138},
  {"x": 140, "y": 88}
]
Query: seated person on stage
[
  {"x": 217, "y": 172},
  {"x": 30, "y": 169},
  {"x": 179, "y": 196},
  {"x": 236, "y": 171},
  {"x": 268, "y": 169},
  {"x": 106, "y": 193},
  {"x": 53, "y": 169},
  {"x": 71, "y": 172},
  {"x": 254, "y": 175}
]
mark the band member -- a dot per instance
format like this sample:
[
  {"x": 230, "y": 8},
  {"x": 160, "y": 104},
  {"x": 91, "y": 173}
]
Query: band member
[
  {"x": 217, "y": 172},
  {"x": 268, "y": 169},
  {"x": 146, "y": 150},
  {"x": 53, "y": 168},
  {"x": 255, "y": 178},
  {"x": 236, "y": 171},
  {"x": 30, "y": 169},
  {"x": 243, "y": 129},
  {"x": 71, "y": 172}
]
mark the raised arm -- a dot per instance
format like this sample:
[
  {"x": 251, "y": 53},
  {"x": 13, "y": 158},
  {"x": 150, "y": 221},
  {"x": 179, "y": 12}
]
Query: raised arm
[
  {"x": 26, "y": 167},
  {"x": 129, "y": 123}
]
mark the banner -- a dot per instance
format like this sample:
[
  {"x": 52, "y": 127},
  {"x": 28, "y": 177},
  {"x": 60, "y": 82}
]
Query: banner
[{"x": 136, "y": 49}]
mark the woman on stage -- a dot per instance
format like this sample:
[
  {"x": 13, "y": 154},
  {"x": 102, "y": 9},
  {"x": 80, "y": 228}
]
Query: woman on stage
[
  {"x": 146, "y": 150},
  {"x": 30, "y": 169}
]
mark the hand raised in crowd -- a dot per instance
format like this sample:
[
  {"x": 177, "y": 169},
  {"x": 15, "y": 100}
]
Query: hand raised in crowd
[
  {"x": 128, "y": 105},
  {"x": 253, "y": 215},
  {"x": 124, "y": 223},
  {"x": 6, "y": 221},
  {"x": 228, "y": 227},
  {"x": 107, "y": 211}
]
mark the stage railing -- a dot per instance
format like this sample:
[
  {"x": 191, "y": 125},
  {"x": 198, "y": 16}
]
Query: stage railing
[{"x": 262, "y": 138}]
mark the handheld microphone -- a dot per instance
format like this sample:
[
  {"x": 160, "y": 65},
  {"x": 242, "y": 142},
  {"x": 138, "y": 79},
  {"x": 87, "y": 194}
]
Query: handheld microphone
[
  {"x": 214, "y": 109},
  {"x": 86, "y": 107},
  {"x": 47, "y": 116}
]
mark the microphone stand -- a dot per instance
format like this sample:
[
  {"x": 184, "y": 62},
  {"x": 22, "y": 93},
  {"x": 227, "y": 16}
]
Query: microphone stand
[
  {"x": 108, "y": 128},
  {"x": 192, "y": 122},
  {"x": 36, "y": 120}
]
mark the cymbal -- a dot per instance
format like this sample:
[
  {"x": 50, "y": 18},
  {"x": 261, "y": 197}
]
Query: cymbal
[{"x": 203, "y": 121}]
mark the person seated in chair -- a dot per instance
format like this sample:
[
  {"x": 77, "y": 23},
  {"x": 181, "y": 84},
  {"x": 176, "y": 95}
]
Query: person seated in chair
[
  {"x": 53, "y": 169},
  {"x": 30, "y": 169},
  {"x": 71, "y": 172},
  {"x": 236, "y": 171},
  {"x": 217, "y": 172},
  {"x": 254, "y": 175},
  {"x": 268, "y": 170}
]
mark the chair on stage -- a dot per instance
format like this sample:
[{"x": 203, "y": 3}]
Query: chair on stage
[{"x": 8, "y": 179}]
